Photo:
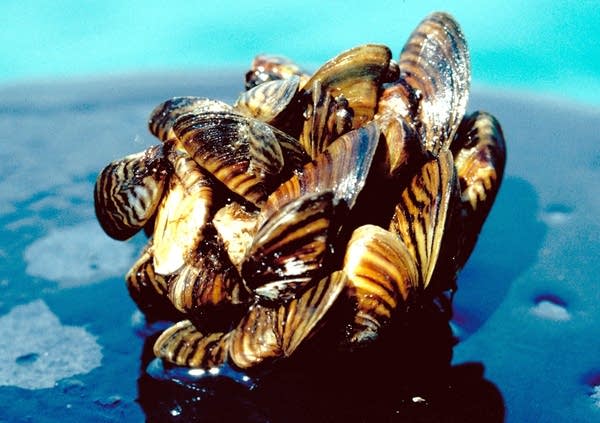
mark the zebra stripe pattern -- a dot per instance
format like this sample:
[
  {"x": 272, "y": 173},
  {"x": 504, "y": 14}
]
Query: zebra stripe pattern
[
  {"x": 480, "y": 155},
  {"x": 184, "y": 345},
  {"x": 164, "y": 115},
  {"x": 357, "y": 74},
  {"x": 421, "y": 214},
  {"x": 290, "y": 249},
  {"x": 435, "y": 63},
  {"x": 208, "y": 278},
  {"x": 342, "y": 168},
  {"x": 241, "y": 152},
  {"x": 266, "y": 101},
  {"x": 326, "y": 119},
  {"x": 128, "y": 191},
  {"x": 382, "y": 275},
  {"x": 267, "y": 333}
]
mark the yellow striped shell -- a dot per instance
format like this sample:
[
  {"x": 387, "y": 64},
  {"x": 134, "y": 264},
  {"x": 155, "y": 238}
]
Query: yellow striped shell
[{"x": 335, "y": 200}]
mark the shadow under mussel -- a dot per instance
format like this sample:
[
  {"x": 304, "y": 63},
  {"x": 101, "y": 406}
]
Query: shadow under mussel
[{"x": 406, "y": 376}]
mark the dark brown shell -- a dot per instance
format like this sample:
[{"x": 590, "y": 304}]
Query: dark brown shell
[
  {"x": 290, "y": 248},
  {"x": 165, "y": 114},
  {"x": 342, "y": 168}
]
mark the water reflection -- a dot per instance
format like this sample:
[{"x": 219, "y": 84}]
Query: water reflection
[{"x": 407, "y": 377}]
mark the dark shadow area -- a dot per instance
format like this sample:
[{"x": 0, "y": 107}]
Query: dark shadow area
[
  {"x": 407, "y": 377},
  {"x": 507, "y": 246}
]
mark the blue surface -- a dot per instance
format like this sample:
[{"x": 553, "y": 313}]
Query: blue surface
[
  {"x": 526, "y": 313},
  {"x": 537, "y": 46}
]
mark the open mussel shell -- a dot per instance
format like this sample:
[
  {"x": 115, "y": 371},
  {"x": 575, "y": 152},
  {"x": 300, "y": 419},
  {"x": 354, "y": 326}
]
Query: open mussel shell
[
  {"x": 435, "y": 65},
  {"x": 164, "y": 115},
  {"x": 291, "y": 247},
  {"x": 247, "y": 155},
  {"x": 382, "y": 276},
  {"x": 357, "y": 75},
  {"x": 342, "y": 169},
  {"x": 267, "y": 68},
  {"x": 266, "y": 101},
  {"x": 423, "y": 212},
  {"x": 182, "y": 214},
  {"x": 479, "y": 155},
  {"x": 128, "y": 191}
]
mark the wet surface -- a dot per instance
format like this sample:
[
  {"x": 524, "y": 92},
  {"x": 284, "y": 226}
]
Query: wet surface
[{"x": 74, "y": 348}]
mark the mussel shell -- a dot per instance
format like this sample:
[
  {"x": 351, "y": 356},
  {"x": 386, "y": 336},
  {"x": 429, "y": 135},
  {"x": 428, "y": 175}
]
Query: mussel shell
[
  {"x": 208, "y": 287},
  {"x": 382, "y": 277},
  {"x": 247, "y": 155},
  {"x": 326, "y": 118},
  {"x": 267, "y": 333},
  {"x": 404, "y": 150},
  {"x": 165, "y": 114},
  {"x": 149, "y": 289},
  {"x": 435, "y": 64},
  {"x": 184, "y": 345},
  {"x": 291, "y": 247},
  {"x": 264, "y": 334},
  {"x": 237, "y": 227},
  {"x": 266, "y": 101},
  {"x": 267, "y": 68},
  {"x": 342, "y": 168},
  {"x": 357, "y": 74},
  {"x": 479, "y": 155},
  {"x": 182, "y": 214},
  {"x": 128, "y": 191},
  {"x": 423, "y": 212}
]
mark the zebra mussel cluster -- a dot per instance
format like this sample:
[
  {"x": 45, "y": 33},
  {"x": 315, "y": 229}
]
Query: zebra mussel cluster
[{"x": 364, "y": 184}]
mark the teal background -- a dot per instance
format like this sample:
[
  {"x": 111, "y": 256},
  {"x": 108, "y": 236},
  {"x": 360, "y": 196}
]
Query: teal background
[{"x": 548, "y": 48}]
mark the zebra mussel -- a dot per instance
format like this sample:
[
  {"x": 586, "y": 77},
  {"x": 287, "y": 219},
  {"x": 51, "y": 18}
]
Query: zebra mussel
[{"x": 364, "y": 183}]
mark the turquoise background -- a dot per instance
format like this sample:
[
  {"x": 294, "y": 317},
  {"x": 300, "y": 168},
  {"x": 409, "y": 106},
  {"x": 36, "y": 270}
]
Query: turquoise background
[{"x": 544, "y": 47}]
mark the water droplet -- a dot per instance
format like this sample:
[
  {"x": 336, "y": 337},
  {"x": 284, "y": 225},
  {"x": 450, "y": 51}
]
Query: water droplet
[
  {"x": 109, "y": 402},
  {"x": 27, "y": 359},
  {"x": 551, "y": 307},
  {"x": 557, "y": 214},
  {"x": 175, "y": 411}
]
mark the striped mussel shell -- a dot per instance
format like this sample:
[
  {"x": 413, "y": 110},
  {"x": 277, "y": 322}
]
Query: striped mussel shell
[
  {"x": 479, "y": 153},
  {"x": 267, "y": 68},
  {"x": 300, "y": 220},
  {"x": 128, "y": 191},
  {"x": 249, "y": 156},
  {"x": 357, "y": 75},
  {"x": 267, "y": 101},
  {"x": 149, "y": 289},
  {"x": 362, "y": 185},
  {"x": 162, "y": 118},
  {"x": 435, "y": 76},
  {"x": 266, "y": 332}
]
